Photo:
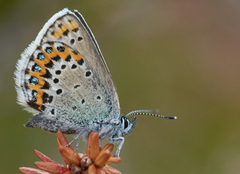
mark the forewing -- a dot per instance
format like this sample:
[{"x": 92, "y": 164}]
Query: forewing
[{"x": 63, "y": 75}]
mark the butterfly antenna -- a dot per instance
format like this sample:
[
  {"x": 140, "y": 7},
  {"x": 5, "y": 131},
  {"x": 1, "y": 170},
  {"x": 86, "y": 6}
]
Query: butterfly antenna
[
  {"x": 148, "y": 112},
  {"x": 136, "y": 111}
]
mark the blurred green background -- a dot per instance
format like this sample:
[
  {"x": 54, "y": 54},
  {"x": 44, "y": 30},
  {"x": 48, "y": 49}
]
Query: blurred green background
[{"x": 181, "y": 56}]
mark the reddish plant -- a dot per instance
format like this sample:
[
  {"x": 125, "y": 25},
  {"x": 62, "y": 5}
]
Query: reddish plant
[{"x": 95, "y": 161}]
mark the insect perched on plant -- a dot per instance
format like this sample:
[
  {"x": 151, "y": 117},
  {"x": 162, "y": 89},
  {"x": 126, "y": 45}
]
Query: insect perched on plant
[{"x": 63, "y": 80}]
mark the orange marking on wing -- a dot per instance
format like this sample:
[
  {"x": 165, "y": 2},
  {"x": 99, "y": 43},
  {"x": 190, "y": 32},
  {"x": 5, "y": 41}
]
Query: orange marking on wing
[
  {"x": 41, "y": 62},
  {"x": 39, "y": 94},
  {"x": 39, "y": 101},
  {"x": 47, "y": 55},
  {"x": 57, "y": 34},
  {"x": 43, "y": 69},
  {"x": 73, "y": 25},
  {"x": 60, "y": 54},
  {"x": 34, "y": 87},
  {"x": 37, "y": 86},
  {"x": 39, "y": 78},
  {"x": 53, "y": 53},
  {"x": 76, "y": 57},
  {"x": 45, "y": 61},
  {"x": 65, "y": 54},
  {"x": 36, "y": 74},
  {"x": 63, "y": 29}
]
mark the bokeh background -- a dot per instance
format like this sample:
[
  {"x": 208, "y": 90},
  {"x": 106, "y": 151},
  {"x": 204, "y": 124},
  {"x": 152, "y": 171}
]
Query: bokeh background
[{"x": 181, "y": 56}]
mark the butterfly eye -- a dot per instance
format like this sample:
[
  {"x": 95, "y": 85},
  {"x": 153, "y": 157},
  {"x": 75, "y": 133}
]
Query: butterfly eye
[{"x": 124, "y": 122}]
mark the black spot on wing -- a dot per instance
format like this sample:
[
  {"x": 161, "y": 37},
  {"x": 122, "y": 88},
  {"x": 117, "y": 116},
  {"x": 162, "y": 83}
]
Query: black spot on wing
[
  {"x": 46, "y": 85},
  {"x": 74, "y": 66},
  {"x": 49, "y": 65},
  {"x": 81, "y": 61},
  {"x": 68, "y": 59},
  {"x": 65, "y": 33},
  {"x": 58, "y": 72},
  {"x": 47, "y": 75},
  {"x": 72, "y": 41},
  {"x": 56, "y": 58}
]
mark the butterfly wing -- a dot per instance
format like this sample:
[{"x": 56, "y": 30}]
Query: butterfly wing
[{"x": 63, "y": 78}]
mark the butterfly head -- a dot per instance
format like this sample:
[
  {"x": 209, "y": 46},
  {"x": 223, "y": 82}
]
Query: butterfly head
[{"x": 127, "y": 126}]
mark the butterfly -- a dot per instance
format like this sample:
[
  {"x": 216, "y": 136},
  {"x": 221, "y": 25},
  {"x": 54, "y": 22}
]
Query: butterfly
[{"x": 62, "y": 78}]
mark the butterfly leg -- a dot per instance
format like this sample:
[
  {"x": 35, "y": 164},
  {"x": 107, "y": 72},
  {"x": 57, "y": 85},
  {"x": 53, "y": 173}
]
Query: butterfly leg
[
  {"x": 105, "y": 134},
  {"x": 75, "y": 138},
  {"x": 121, "y": 140},
  {"x": 79, "y": 138}
]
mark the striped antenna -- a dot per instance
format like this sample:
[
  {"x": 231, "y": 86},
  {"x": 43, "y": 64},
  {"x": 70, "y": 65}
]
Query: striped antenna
[{"x": 148, "y": 112}]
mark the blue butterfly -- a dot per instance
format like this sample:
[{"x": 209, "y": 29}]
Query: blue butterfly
[{"x": 63, "y": 80}]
